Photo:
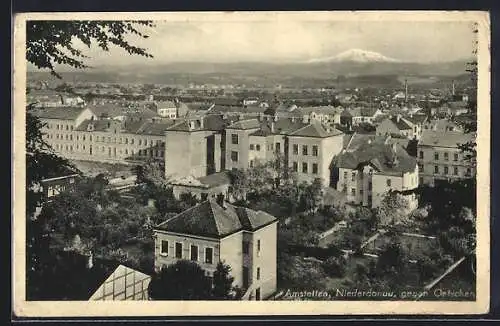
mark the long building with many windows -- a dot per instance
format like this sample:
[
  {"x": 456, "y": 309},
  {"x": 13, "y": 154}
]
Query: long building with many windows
[{"x": 79, "y": 133}]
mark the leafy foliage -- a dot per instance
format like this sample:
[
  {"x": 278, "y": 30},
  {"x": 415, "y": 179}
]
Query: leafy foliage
[
  {"x": 51, "y": 43},
  {"x": 184, "y": 280},
  {"x": 223, "y": 283}
]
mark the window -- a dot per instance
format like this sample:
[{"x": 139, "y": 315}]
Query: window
[
  {"x": 468, "y": 173},
  {"x": 178, "y": 250},
  {"x": 132, "y": 141},
  {"x": 126, "y": 140},
  {"x": 84, "y": 137},
  {"x": 257, "y": 147},
  {"x": 345, "y": 175},
  {"x": 234, "y": 139},
  {"x": 67, "y": 127},
  {"x": 278, "y": 147},
  {"x": 353, "y": 176},
  {"x": 294, "y": 167},
  {"x": 295, "y": 149},
  {"x": 388, "y": 182},
  {"x": 445, "y": 170},
  {"x": 421, "y": 155},
  {"x": 164, "y": 248},
  {"x": 251, "y": 163},
  {"x": 70, "y": 137},
  {"x": 258, "y": 273},
  {"x": 304, "y": 149},
  {"x": 315, "y": 168},
  {"x": 353, "y": 191},
  {"x": 455, "y": 157},
  {"x": 252, "y": 147},
  {"x": 421, "y": 167},
  {"x": 446, "y": 156},
  {"x": 361, "y": 192},
  {"x": 194, "y": 253},
  {"x": 258, "y": 247},
  {"x": 246, "y": 247},
  {"x": 209, "y": 255},
  {"x": 436, "y": 156},
  {"x": 304, "y": 167},
  {"x": 234, "y": 156},
  {"x": 455, "y": 170},
  {"x": 315, "y": 150},
  {"x": 436, "y": 169},
  {"x": 140, "y": 141}
]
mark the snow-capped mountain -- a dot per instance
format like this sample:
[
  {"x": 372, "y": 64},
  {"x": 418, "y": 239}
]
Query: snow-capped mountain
[{"x": 356, "y": 55}]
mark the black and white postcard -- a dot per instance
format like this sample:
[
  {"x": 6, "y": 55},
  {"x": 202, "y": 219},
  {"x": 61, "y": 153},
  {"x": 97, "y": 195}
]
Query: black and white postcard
[{"x": 304, "y": 162}]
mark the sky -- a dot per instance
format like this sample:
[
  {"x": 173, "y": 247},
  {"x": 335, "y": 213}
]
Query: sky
[{"x": 294, "y": 41}]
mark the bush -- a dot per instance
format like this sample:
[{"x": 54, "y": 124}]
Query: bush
[{"x": 335, "y": 266}]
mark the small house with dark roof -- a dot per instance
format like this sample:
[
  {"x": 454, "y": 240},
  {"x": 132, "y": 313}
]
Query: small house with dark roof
[
  {"x": 215, "y": 231},
  {"x": 400, "y": 127},
  {"x": 368, "y": 171}
]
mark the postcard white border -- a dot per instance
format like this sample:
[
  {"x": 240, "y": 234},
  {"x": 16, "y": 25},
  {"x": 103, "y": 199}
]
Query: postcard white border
[{"x": 23, "y": 308}]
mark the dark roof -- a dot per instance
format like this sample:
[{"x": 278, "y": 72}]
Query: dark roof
[
  {"x": 211, "y": 220},
  {"x": 99, "y": 125},
  {"x": 316, "y": 130},
  {"x": 445, "y": 138},
  {"x": 417, "y": 118},
  {"x": 61, "y": 113},
  {"x": 281, "y": 126},
  {"x": 216, "y": 179},
  {"x": 213, "y": 122},
  {"x": 401, "y": 123},
  {"x": 379, "y": 155}
]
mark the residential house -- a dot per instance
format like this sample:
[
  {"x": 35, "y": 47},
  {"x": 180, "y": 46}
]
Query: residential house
[
  {"x": 400, "y": 126},
  {"x": 327, "y": 115},
  {"x": 215, "y": 231},
  {"x": 311, "y": 150},
  {"x": 369, "y": 170},
  {"x": 440, "y": 157},
  {"x": 211, "y": 185}
]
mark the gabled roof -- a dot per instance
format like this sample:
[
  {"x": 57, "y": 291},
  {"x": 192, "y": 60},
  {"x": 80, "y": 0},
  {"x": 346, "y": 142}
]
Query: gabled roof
[
  {"x": 378, "y": 154},
  {"x": 316, "y": 130},
  {"x": 60, "y": 113},
  {"x": 401, "y": 123},
  {"x": 417, "y": 118},
  {"x": 209, "y": 219}
]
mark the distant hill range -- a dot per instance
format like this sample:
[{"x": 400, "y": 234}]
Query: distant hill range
[{"x": 350, "y": 63}]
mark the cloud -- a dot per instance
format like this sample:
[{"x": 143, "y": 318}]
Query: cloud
[{"x": 285, "y": 40}]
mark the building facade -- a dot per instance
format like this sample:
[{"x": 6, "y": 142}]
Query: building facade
[
  {"x": 367, "y": 173},
  {"x": 215, "y": 231},
  {"x": 78, "y": 133},
  {"x": 440, "y": 158}
]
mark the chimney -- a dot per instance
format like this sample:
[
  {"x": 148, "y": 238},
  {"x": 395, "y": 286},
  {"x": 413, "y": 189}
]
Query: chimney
[
  {"x": 272, "y": 126},
  {"x": 453, "y": 87},
  {"x": 406, "y": 90},
  {"x": 90, "y": 260},
  {"x": 220, "y": 200}
]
